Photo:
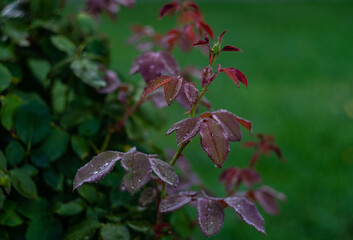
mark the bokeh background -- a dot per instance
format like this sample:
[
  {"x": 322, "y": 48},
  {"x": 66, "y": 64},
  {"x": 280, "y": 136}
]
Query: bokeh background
[{"x": 298, "y": 58}]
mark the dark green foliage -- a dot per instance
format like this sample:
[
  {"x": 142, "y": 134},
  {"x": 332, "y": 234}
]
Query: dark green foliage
[{"x": 53, "y": 120}]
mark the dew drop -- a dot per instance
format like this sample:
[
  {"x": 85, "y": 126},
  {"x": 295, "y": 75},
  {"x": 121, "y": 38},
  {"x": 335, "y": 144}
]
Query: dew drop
[
  {"x": 95, "y": 172},
  {"x": 106, "y": 164}
]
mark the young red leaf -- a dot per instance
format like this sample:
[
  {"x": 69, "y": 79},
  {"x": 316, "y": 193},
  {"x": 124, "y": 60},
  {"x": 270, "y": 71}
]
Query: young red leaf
[
  {"x": 267, "y": 198},
  {"x": 230, "y": 49},
  {"x": 247, "y": 124},
  {"x": 172, "y": 89},
  {"x": 210, "y": 216},
  {"x": 157, "y": 83},
  {"x": 139, "y": 169},
  {"x": 170, "y": 64},
  {"x": 250, "y": 177},
  {"x": 96, "y": 169},
  {"x": 168, "y": 8},
  {"x": 206, "y": 76},
  {"x": 236, "y": 76},
  {"x": 164, "y": 171},
  {"x": 206, "y": 28},
  {"x": 247, "y": 212},
  {"x": 229, "y": 177},
  {"x": 188, "y": 129},
  {"x": 214, "y": 141},
  {"x": 229, "y": 124},
  {"x": 191, "y": 92},
  {"x": 187, "y": 38},
  {"x": 174, "y": 202}
]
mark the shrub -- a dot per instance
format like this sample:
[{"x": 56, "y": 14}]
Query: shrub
[{"x": 61, "y": 104}]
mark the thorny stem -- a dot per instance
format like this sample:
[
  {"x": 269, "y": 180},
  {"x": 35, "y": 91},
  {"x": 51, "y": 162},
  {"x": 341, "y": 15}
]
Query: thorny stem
[{"x": 193, "y": 110}]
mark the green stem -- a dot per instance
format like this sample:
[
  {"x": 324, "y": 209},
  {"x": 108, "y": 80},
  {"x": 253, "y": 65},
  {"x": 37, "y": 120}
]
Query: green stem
[
  {"x": 106, "y": 141},
  {"x": 193, "y": 110}
]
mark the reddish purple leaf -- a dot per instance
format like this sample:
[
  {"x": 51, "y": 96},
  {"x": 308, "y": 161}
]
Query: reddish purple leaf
[
  {"x": 229, "y": 177},
  {"x": 250, "y": 176},
  {"x": 247, "y": 124},
  {"x": 229, "y": 124},
  {"x": 164, "y": 171},
  {"x": 158, "y": 98},
  {"x": 214, "y": 141},
  {"x": 152, "y": 65},
  {"x": 191, "y": 92},
  {"x": 268, "y": 199},
  {"x": 172, "y": 89},
  {"x": 235, "y": 75},
  {"x": 174, "y": 202},
  {"x": 96, "y": 169},
  {"x": 247, "y": 212},
  {"x": 126, "y": 3},
  {"x": 188, "y": 129},
  {"x": 112, "y": 81},
  {"x": 168, "y": 8},
  {"x": 156, "y": 83},
  {"x": 210, "y": 216},
  {"x": 206, "y": 76},
  {"x": 183, "y": 100},
  {"x": 206, "y": 28},
  {"x": 230, "y": 49},
  {"x": 201, "y": 42},
  {"x": 139, "y": 169},
  {"x": 147, "y": 196}
]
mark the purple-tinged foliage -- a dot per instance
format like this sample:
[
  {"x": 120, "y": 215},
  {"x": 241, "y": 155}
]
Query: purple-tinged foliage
[
  {"x": 169, "y": 8},
  {"x": 96, "y": 169},
  {"x": 229, "y": 124},
  {"x": 152, "y": 65},
  {"x": 174, "y": 202},
  {"x": 247, "y": 212},
  {"x": 112, "y": 82},
  {"x": 210, "y": 216},
  {"x": 139, "y": 169},
  {"x": 236, "y": 76},
  {"x": 237, "y": 175},
  {"x": 147, "y": 196},
  {"x": 172, "y": 89},
  {"x": 94, "y": 7},
  {"x": 164, "y": 171},
  {"x": 191, "y": 93},
  {"x": 206, "y": 76},
  {"x": 186, "y": 129},
  {"x": 214, "y": 142},
  {"x": 268, "y": 199}
]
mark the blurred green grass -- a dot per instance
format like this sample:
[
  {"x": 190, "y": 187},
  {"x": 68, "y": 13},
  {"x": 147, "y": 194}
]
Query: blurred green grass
[{"x": 298, "y": 58}]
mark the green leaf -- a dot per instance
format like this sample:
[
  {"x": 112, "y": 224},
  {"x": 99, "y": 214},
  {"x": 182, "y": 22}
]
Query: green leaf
[
  {"x": 59, "y": 96},
  {"x": 40, "y": 69},
  {"x": 3, "y": 234},
  {"x": 39, "y": 158},
  {"x": 64, "y": 44},
  {"x": 3, "y": 161},
  {"x": 5, "y": 78},
  {"x": 9, "y": 106},
  {"x": 9, "y": 217},
  {"x": 88, "y": 72},
  {"x": 140, "y": 225},
  {"x": 88, "y": 192},
  {"x": 180, "y": 222},
  {"x": 32, "y": 121},
  {"x": 82, "y": 231},
  {"x": 53, "y": 178},
  {"x": 2, "y": 198},
  {"x": 23, "y": 183},
  {"x": 5, "y": 181},
  {"x": 86, "y": 23},
  {"x": 89, "y": 127},
  {"x": 114, "y": 232},
  {"x": 44, "y": 228},
  {"x": 80, "y": 146},
  {"x": 6, "y": 52},
  {"x": 33, "y": 208},
  {"x": 30, "y": 169},
  {"x": 55, "y": 145},
  {"x": 69, "y": 209},
  {"x": 43, "y": 8},
  {"x": 18, "y": 33},
  {"x": 14, "y": 153}
]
